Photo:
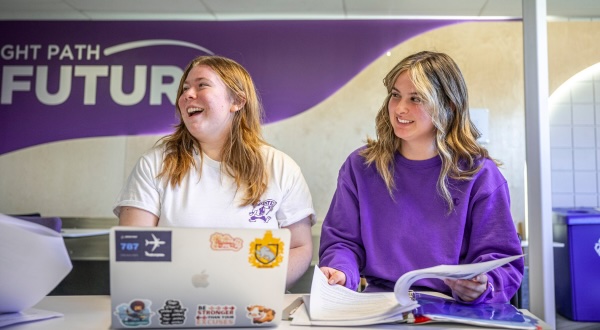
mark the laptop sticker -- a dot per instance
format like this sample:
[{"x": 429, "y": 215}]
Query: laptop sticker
[
  {"x": 143, "y": 245},
  {"x": 212, "y": 315},
  {"x": 220, "y": 241},
  {"x": 136, "y": 313},
  {"x": 172, "y": 313},
  {"x": 266, "y": 252},
  {"x": 260, "y": 314}
]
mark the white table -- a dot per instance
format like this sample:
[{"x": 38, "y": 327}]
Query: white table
[{"x": 93, "y": 312}]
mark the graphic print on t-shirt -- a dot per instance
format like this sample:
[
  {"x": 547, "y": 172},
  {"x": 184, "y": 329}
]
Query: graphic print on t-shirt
[{"x": 261, "y": 210}]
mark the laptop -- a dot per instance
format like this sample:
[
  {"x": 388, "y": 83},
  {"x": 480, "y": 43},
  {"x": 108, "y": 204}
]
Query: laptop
[{"x": 173, "y": 277}]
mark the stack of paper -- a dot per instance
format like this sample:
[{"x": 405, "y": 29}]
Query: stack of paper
[
  {"x": 335, "y": 305},
  {"x": 34, "y": 260}
]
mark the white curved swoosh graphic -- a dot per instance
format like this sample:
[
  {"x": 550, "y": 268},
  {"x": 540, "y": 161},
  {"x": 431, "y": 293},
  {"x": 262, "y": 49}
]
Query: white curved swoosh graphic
[{"x": 152, "y": 42}]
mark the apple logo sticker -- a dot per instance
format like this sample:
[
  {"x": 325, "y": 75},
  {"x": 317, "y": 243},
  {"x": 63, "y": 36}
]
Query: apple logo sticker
[{"x": 200, "y": 280}]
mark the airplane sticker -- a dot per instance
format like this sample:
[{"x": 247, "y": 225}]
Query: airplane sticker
[
  {"x": 156, "y": 242},
  {"x": 134, "y": 245}
]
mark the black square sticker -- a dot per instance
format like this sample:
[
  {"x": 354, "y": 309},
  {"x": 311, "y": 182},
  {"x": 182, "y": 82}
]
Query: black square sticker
[{"x": 143, "y": 245}]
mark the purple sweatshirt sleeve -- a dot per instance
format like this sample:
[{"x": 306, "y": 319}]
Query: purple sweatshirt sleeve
[
  {"x": 493, "y": 236},
  {"x": 341, "y": 243}
]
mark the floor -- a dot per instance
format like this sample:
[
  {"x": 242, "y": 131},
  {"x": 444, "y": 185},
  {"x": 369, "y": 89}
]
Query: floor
[{"x": 563, "y": 323}]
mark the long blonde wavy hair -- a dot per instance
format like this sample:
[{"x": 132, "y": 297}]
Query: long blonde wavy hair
[
  {"x": 439, "y": 82},
  {"x": 241, "y": 157}
]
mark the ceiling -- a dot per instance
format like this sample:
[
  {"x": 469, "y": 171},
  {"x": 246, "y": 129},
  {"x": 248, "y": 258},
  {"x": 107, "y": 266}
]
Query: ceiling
[{"x": 224, "y": 10}]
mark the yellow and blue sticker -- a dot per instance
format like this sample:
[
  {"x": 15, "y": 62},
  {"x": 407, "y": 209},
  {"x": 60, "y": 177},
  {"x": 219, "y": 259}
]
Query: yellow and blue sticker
[{"x": 266, "y": 252}]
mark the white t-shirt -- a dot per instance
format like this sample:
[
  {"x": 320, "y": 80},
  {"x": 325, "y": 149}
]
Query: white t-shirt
[{"x": 211, "y": 199}]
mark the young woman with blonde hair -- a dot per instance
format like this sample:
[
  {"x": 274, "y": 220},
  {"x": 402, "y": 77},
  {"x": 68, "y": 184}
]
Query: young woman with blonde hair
[{"x": 423, "y": 193}]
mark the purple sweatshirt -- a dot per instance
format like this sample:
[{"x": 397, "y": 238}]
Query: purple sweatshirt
[{"x": 368, "y": 233}]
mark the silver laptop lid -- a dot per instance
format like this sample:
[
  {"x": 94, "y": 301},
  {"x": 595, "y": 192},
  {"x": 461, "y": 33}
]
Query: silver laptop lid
[{"x": 197, "y": 277}]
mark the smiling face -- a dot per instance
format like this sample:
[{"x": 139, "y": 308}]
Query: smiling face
[
  {"x": 207, "y": 108},
  {"x": 410, "y": 118}
]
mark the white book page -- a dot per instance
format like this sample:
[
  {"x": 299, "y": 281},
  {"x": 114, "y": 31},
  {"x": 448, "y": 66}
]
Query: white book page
[
  {"x": 28, "y": 315},
  {"x": 301, "y": 318},
  {"x": 33, "y": 261},
  {"x": 336, "y": 302},
  {"x": 445, "y": 271}
]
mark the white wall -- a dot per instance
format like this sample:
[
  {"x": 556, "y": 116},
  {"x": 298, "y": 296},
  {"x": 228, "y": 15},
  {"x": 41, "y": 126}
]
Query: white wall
[{"x": 575, "y": 141}]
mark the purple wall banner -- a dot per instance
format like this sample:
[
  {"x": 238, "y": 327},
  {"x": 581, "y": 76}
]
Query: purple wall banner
[{"x": 74, "y": 79}]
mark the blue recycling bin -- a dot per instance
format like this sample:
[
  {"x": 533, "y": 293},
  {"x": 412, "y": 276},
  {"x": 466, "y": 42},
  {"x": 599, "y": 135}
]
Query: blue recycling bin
[{"x": 577, "y": 264}]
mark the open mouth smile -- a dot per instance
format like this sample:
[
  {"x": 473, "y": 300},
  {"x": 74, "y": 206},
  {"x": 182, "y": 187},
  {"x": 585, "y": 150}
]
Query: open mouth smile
[
  {"x": 194, "y": 111},
  {"x": 404, "y": 121}
]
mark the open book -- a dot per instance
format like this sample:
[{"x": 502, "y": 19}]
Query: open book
[{"x": 336, "y": 305}]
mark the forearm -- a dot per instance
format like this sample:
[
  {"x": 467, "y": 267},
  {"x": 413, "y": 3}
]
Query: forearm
[
  {"x": 299, "y": 261},
  {"x": 505, "y": 281},
  {"x": 341, "y": 252},
  {"x": 341, "y": 245},
  {"x": 493, "y": 236},
  {"x": 343, "y": 260},
  {"x": 300, "y": 250}
]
